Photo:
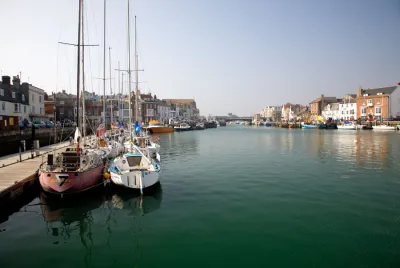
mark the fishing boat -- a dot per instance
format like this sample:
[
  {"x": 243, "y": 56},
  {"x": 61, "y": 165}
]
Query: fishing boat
[
  {"x": 79, "y": 167},
  {"x": 384, "y": 128},
  {"x": 156, "y": 127},
  {"x": 139, "y": 168},
  {"x": 199, "y": 126},
  {"x": 308, "y": 126},
  {"x": 182, "y": 127}
]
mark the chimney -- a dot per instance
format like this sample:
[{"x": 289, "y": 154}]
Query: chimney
[
  {"x": 359, "y": 92},
  {"x": 6, "y": 80},
  {"x": 322, "y": 103},
  {"x": 63, "y": 91},
  {"x": 16, "y": 81}
]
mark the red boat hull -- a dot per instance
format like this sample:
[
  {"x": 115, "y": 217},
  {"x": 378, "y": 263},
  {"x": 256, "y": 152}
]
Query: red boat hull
[{"x": 71, "y": 182}]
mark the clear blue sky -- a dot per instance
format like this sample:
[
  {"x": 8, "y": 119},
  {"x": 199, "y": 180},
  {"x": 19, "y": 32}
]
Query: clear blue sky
[{"x": 230, "y": 55}]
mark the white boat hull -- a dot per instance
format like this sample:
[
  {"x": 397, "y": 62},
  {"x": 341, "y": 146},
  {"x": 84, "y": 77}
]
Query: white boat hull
[
  {"x": 384, "y": 128},
  {"x": 348, "y": 127},
  {"x": 136, "y": 179}
]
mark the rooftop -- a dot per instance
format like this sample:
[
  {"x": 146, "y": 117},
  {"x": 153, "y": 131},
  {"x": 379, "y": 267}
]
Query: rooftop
[
  {"x": 384, "y": 90},
  {"x": 330, "y": 99},
  {"x": 181, "y": 101}
]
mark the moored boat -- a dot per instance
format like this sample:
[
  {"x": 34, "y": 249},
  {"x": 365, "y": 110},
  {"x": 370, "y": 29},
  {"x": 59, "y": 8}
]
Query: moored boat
[
  {"x": 199, "y": 126},
  {"x": 347, "y": 127},
  {"x": 308, "y": 126},
  {"x": 73, "y": 170},
  {"x": 79, "y": 167},
  {"x": 182, "y": 127},
  {"x": 156, "y": 127},
  {"x": 139, "y": 168},
  {"x": 384, "y": 128}
]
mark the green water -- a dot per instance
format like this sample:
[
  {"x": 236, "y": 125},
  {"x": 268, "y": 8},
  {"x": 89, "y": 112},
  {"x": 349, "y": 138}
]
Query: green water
[{"x": 231, "y": 197}]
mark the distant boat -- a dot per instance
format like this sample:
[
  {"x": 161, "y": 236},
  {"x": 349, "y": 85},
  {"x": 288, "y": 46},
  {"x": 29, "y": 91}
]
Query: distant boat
[
  {"x": 199, "y": 126},
  {"x": 182, "y": 127},
  {"x": 307, "y": 126},
  {"x": 347, "y": 127},
  {"x": 268, "y": 124},
  {"x": 384, "y": 127},
  {"x": 156, "y": 127}
]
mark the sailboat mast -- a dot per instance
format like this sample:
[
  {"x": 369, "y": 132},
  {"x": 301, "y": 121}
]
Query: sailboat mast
[
  {"x": 83, "y": 77},
  {"x": 136, "y": 78},
  {"x": 129, "y": 78},
  {"x": 111, "y": 114},
  {"x": 104, "y": 66},
  {"x": 119, "y": 91},
  {"x": 79, "y": 64}
]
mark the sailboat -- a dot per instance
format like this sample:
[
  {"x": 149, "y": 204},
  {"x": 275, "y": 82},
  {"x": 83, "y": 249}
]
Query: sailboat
[
  {"x": 137, "y": 168},
  {"x": 78, "y": 168}
]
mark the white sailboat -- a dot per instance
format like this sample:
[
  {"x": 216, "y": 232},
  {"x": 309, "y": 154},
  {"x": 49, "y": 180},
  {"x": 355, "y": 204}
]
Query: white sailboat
[{"x": 140, "y": 167}]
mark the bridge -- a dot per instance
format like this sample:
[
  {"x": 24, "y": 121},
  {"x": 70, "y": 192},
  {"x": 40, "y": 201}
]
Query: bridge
[{"x": 234, "y": 118}]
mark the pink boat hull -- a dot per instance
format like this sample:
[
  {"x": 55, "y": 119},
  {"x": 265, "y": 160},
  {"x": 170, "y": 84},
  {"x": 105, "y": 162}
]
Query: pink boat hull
[{"x": 71, "y": 182}]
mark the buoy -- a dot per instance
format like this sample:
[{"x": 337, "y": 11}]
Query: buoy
[{"x": 107, "y": 175}]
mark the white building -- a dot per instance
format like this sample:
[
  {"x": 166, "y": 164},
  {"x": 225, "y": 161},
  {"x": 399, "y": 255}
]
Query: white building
[
  {"x": 163, "y": 112},
  {"x": 348, "y": 107},
  {"x": 331, "y": 111},
  {"x": 36, "y": 103},
  {"x": 14, "y": 105}
]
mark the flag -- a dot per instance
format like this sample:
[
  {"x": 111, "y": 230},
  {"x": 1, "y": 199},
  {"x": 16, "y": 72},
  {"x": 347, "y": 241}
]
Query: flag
[{"x": 137, "y": 128}]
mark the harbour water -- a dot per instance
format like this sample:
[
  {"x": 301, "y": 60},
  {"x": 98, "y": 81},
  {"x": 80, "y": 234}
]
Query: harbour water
[{"x": 230, "y": 197}]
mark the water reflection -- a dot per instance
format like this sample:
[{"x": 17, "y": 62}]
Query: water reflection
[
  {"x": 176, "y": 145},
  {"x": 66, "y": 218}
]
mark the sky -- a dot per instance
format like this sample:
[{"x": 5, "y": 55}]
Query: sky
[{"x": 232, "y": 56}]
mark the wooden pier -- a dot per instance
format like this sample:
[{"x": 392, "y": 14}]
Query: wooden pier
[{"x": 16, "y": 175}]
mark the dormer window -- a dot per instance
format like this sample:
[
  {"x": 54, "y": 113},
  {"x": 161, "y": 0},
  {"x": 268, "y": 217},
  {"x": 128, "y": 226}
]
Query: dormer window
[
  {"x": 379, "y": 93},
  {"x": 23, "y": 97},
  {"x": 365, "y": 95},
  {"x": 13, "y": 95}
]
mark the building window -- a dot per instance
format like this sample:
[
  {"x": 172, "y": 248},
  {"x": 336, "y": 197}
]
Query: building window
[
  {"x": 23, "y": 97},
  {"x": 378, "y": 110},
  {"x": 24, "y": 109},
  {"x": 40, "y": 98},
  {"x": 378, "y": 102},
  {"x": 3, "y": 106},
  {"x": 1, "y": 92},
  {"x": 379, "y": 93},
  {"x": 370, "y": 102},
  {"x": 13, "y": 95},
  {"x": 33, "y": 97},
  {"x": 364, "y": 110},
  {"x": 33, "y": 109},
  {"x": 16, "y": 107}
]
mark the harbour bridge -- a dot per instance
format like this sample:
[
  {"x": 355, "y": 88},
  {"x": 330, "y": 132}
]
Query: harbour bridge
[{"x": 238, "y": 118}]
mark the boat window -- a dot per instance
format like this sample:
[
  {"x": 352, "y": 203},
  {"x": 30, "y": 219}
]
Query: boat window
[{"x": 134, "y": 160}]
